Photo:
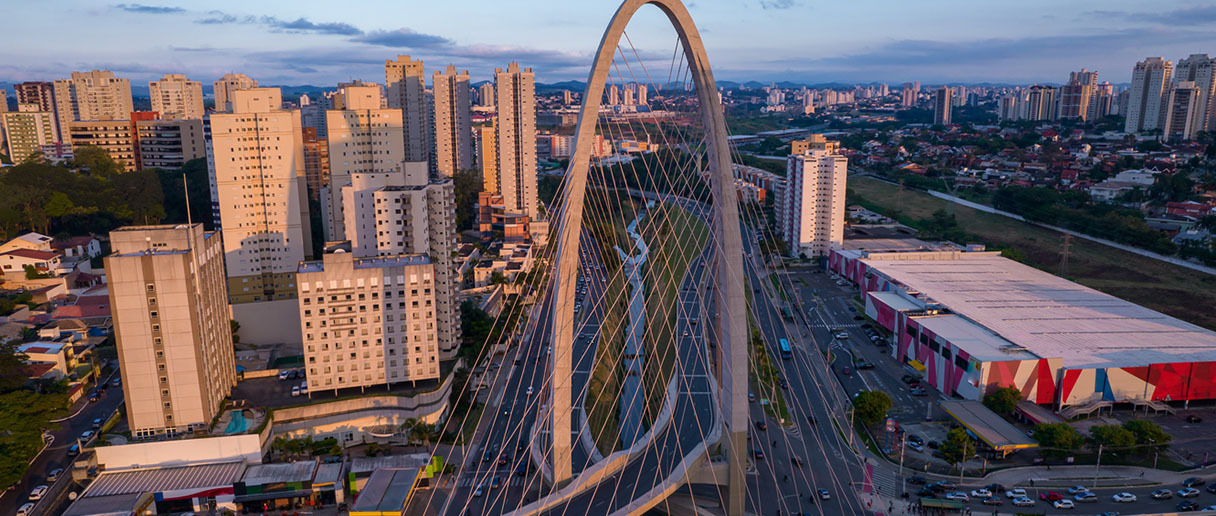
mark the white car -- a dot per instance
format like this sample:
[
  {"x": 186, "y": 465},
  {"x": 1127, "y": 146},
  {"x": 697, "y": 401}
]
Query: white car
[
  {"x": 529, "y": 390},
  {"x": 1208, "y": 508},
  {"x": 1189, "y": 492},
  {"x": 304, "y": 387},
  {"x": 26, "y": 510},
  {"x": 1124, "y": 498},
  {"x": 1023, "y": 502},
  {"x": 1015, "y": 493},
  {"x": 37, "y": 493},
  {"x": 1078, "y": 489},
  {"x": 88, "y": 434},
  {"x": 295, "y": 391},
  {"x": 53, "y": 475},
  {"x": 1063, "y": 504},
  {"x": 959, "y": 496},
  {"x": 981, "y": 493},
  {"x": 842, "y": 336},
  {"x": 1086, "y": 497}
]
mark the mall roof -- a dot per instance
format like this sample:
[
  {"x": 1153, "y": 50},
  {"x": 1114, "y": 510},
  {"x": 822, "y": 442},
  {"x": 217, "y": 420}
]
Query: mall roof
[
  {"x": 262, "y": 474},
  {"x": 385, "y": 492},
  {"x": 157, "y": 480},
  {"x": 987, "y": 425},
  {"x": 897, "y": 301},
  {"x": 976, "y": 340},
  {"x": 1048, "y": 315}
]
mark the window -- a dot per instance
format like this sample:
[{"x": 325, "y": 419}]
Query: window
[
  {"x": 152, "y": 314},
  {"x": 164, "y": 380},
  {"x": 151, "y": 287},
  {"x": 911, "y": 332},
  {"x": 946, "y": 353},
  {"x": 152, "y": 301},
  {"x": 962, "y": 363},
  {"x": 932, "y": 344}
]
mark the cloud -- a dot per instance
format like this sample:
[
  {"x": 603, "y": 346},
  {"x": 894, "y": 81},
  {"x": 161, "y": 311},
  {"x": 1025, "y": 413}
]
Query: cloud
[
  {"x": 777, "y": 4},
  {"x": 1202, "y": 14},
  {"x": 403, "y": 37},
  {"x": 191, "y": 49},
  {"x": 302, "y": 25},
  {"x": 148, "y": 9}
]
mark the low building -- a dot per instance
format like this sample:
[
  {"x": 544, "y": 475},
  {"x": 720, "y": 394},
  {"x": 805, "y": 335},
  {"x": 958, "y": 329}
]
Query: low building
[
  {"x": 273, "y": 487},
  {"x": 59, "y": 355},
  {"x": 200, "y": 488},
  {"x": 78, "y": 247},
  {"x": 32, "y": 241},
  {"x": 386, "y": 492},
  {"x": 505, "y": 258},
  {"x": 15, "y": 262}
]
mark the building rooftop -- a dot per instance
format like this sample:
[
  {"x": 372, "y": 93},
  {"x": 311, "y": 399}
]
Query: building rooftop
[
  {"x": 164, "y": 479},
  {"x": 987, "y": 425},
  {"x": 897, "y": 302},
  {"x": 262, "y": 474},
  {"x": 400, "y": 260},
  {"x": 979, "y": 342},
  {"x": 386, "y": 491},
  {"x": 32, "y": 254},
  {"x": 1048, "y": 315},
  {"x": 41, "y": 347},
  {"x": 113, "y": 505},
  {"x": 369, "y": 464}
]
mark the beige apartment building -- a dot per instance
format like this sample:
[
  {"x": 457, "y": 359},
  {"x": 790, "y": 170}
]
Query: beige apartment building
[
  {"x": 363, "y": 137},
  {"x": 227, "y": 84},
  {"x": 95, "y": 95},
  {"x": 515, "y": 126},
  {"x": 487, "y": 157},
  {"x": 26, "y": 130},
  {"x": 406, "y": 86},
  {"x": 256, "y": 161},
  {"x": 316, "y": 163},
  {"x": 169, "y": 144},
  {"x": 810, "y": 211},
  {"x": 170, "y": 310},
  {"x": 404, "y": 212},
  {"x": 368, "y": 321},
  {"x": 177, "y": 98},
  {"x": 453, "y": 122},
  {"x": 116, "y": 137}
]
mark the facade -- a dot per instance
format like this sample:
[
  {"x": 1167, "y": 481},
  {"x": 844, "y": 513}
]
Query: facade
[
  {"x": 812, "y": 203},
  {"x": 487, "y": 157},
  {"x": 368, "y": 321},
  {"x": 227, "y": 84},
  {"x": 1182, "y": 112},
  {"x": 485, "y": 95},
  {"x": 171, "y": 325},
  {"x": 1077, "y": 94},
  {"x": 95, "y": 95},
  {"x": 257, "y": 166},
  {"x": 515, "y": 135},
  {"x": 26, "y": 130},
  {"x": 974, "y": 321},
  {"x": 1200, "y": 70},
  {"x": 316, "y": 162},
  {"x": 1150, "y": 87},
  {"x": 453, "y": 122},
  {"x": 117, "y": 137},
  {"x": 406, "y": 87},
  {"x": 942, "y": 102},
  {"x": 363, "y": 137},
  {"x": 177, "y": 98},
  {"x": 1041, "y": 103},
  {"x": 169, "y": 144},
  {"x": 403, "y": 212}
]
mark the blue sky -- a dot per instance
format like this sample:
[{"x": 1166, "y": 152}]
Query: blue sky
[{"x": 323, "y": 42}]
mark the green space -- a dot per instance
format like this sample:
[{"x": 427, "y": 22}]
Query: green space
[
  {"x": 26, "y": 411},
  {"x": 1177, "y": 291},
  {"x": 765, "y": 380}
]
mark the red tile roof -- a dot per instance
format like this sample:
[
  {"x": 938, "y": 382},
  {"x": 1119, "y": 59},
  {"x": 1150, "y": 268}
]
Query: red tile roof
[
  {"x": 79, "y": 311},
  {"x": 32, "y": 254}
]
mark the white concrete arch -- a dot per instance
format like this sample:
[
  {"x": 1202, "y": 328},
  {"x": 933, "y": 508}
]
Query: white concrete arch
[{"x": 732, "y": 325}]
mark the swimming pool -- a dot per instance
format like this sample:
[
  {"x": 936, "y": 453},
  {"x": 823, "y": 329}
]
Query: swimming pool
[{"x": 238, "y": 424}]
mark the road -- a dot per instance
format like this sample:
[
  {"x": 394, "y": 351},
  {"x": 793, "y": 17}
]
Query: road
[{"x": 56, "y": 456}]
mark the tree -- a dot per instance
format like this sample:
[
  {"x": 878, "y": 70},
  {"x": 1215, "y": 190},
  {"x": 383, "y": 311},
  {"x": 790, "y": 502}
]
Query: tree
[
  {"x": 1003, "y": 400},
  {"x": 1057, "y": 439},
  {"x": 96, "y": 161},
  {"x": 467, "y": 184},
  {"x": 1111, "y": 436},
  {"x": 236, "y": 327},
  {"x": 871, "y": 406},
  {"x": 497, "y": 278},
  {"x": 24, "y": 415},
  {"x": 957, "y": 446},
  {"x": 1148, "y": 432}
]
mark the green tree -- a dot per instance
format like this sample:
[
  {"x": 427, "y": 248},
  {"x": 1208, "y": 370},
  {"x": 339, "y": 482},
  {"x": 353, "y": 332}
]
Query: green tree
[
  {"x": 236, "y": 327},
  {"x": 1057, "y": 439},
  {"x": 1003, "y": 400},
  {"x": 871, "y": 406},
  {"x": 497, "y": 278},
  {"x": 467, "y": 184},
  {"x": 96, "y": 161},
  {"x": 1111, "y": 436},
  {"x": 1148, "y": 432},
  {"x": 957, "y": 446},
  {"x": 24, "y": 415}
]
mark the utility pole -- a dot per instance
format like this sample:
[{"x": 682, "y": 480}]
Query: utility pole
[
  {"x": 903, "y": 443},
  {"x": 962, "y": 464},
  {"x": 1098, "y": 466},
  {"x": 1065, "y": 251}
]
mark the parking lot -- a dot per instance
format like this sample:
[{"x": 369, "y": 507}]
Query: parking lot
[{"x": 272, "y": 392}]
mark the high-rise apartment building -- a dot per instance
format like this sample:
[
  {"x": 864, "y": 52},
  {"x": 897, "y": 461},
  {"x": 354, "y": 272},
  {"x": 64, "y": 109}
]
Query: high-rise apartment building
[
  {"x": 26, "y": 130},
  {"x": 643, "y": 99},
  {"x": 95, "y": 95},
  {"x": 363, "y": 137},
  {"x": 403, "y": 212},
  {"x": 168, "y": 144},
  {"x": 256, "y": 162},
  {"x": 312, "y": 113},
  {"x": 453, "y": 122},
  {"x": 171, "y": 326},
  {"x": 1201, "y": 70},
  {"x": 942, "y": 103},
  {"x": 485, "y": 95},
  {"x": 907, "y": 97},
  {"x": 407, "y": 93},
  {"x": 116, "y": 137},
  {"x": 316, "y": 163},
  {"x": 614, "y": 95},
  {"x": 177, "y": 98},
  {"x": 368, "y": 321},
  {"x": 1150, "y": 87},
  {"x": 1076, "y": 95},
  {"x": 42, "y": 95},
  {"x": 1102, "y": 103},
  {"x": 1041, "y": 103},
  {"x": 227, "y": 84},
  {"x": 3, "y": 100},
  {"x": 1181, "y": 111},
  {"x": 515, "y": 126},
  {"x": 487, "y": 157},
  {"x": 812, "y": 204}
]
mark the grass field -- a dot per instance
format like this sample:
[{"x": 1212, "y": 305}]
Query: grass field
[{"x": 1183, "y": 293}]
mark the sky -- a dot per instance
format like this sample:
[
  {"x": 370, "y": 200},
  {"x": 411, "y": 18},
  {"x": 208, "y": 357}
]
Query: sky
[{"x": 320, "y": 43}]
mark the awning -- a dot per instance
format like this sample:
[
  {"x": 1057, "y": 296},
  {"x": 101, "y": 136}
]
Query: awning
[{"x": 941, "y": 504}]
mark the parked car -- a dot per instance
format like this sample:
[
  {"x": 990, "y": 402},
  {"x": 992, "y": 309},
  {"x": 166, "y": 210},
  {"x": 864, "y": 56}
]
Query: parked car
[
  {"x": 1212, "y": 488},
  {"x": 1015, "y": 493},
  {"x": 1162, "y": 494},
  {"x": 1193, "y": 482},
  {"x": 88, "y": 434},
  {"x": 1063, "y": 504},
  {"x": 916, "y": 439},
  {"x": 917, "y": 446},
  {"x": 38, "y": 492},
  {"x": 117, "y": 381},
  {"x": 73, "y": 450},
  {"x": 295, "y": 390},
  {"x": 1188, "y": 492},
  {"x": 1123, "y": 498},
  {"x": 1023, "y": 502},
  {"x": 1087, "y": 497},
  {"x": 97, "y": 423},
  {"x": 1208, "y": 508},
  {"x": 283, "y": 374},
  {"x": 304, "y": 387},
  {"x": 94, "y": 395}
]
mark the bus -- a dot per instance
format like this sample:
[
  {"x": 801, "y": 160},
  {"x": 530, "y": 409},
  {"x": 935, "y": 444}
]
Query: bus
[{"x": 786, "y": 353}]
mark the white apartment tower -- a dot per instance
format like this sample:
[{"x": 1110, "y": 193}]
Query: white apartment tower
[
  {"x": 368, "y": 321},
  {"x": 26, "y": 130},
  {"x": 95, "y": 95},
  {"x": 1201, "y": 70},
  {"x": 403, "y": 212},
  {"x": 227, "y": 84},
  {"x": 170, "y": 308},
  {"x": 177, "y": 98},
  {"x": 1150, "y": 87},
  {"x": 363, "y": 137},
  {"x": 515, "y": 134},
  {"x": 256, "y": 160},
  {"x": 407, "y": 92},
  {"x": 453, "y": 122},
  {"x": 813, "y": 202}
]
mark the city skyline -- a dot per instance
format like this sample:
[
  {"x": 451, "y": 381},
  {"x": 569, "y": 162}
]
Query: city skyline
[{"x": 305, "y": 43}]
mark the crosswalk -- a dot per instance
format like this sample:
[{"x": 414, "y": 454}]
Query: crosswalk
[
  {"x": 885, "y": 481},
  {"x": 469, "y": 481},
  {"x": 841, "y": 325}
]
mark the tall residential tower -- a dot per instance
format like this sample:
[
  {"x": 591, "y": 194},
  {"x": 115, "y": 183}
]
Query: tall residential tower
[
  {"x": 515, "y": 135},
  {"x": 453, "y": 123}
]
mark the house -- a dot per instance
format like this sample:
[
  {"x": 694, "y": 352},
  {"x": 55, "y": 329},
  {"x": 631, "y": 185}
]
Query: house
[
  {"x": 1110, "y": 190},
  {"x": 78, "y": 247},
  {"x": 14, "y": 262},
  {"x": 33, "y": 241},
  {"x": 60, "y": 355}
]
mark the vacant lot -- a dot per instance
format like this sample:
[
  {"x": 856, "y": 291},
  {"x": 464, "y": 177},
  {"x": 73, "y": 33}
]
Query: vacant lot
[{"x": 1180, "y": 292}]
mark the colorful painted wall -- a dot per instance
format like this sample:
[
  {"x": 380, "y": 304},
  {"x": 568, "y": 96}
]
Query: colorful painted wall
[{"x": 1158, "y": 382}]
